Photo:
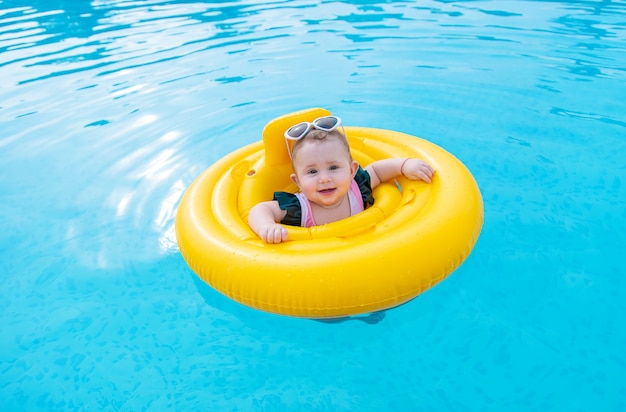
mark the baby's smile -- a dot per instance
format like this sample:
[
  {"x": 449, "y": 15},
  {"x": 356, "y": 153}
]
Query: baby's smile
[{"x": 328, "y": 191}]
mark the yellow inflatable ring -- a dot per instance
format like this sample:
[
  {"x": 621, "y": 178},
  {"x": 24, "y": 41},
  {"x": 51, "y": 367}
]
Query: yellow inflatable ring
[{"x": 414, "y": 236}]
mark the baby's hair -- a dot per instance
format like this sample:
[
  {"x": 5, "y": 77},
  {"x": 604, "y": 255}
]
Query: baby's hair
[{"x": 320, "y": 135}]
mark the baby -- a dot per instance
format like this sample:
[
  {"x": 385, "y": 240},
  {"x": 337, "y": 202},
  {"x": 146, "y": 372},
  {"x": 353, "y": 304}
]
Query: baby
[{"x": 332, "y": 185}]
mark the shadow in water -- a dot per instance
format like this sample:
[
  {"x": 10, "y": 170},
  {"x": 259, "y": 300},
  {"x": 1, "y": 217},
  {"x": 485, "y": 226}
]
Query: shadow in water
[{"x": 370, "y": 319}]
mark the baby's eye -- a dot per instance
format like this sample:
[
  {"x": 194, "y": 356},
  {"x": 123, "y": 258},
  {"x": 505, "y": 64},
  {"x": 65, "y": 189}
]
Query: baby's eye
[
  {"x": 334, "y": 167},
  {"x": 311, "y": 171}
]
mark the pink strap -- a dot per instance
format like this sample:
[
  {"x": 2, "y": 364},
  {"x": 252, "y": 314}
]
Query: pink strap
[{"x": 356, "y": 200}]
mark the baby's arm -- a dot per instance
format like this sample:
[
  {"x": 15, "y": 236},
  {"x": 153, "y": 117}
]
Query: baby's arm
[
  {"x": 264, "y": 218},
  {"x": 387, "y": 169}
]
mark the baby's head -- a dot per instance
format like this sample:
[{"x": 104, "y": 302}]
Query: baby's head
[{"x": 323, "y": 167}]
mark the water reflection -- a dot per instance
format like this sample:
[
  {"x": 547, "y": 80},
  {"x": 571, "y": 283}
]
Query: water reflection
[
  {"x": 76, "y": 19},
  {"x": 51, "y": 39},
  {"x": 90, "y": 35}
]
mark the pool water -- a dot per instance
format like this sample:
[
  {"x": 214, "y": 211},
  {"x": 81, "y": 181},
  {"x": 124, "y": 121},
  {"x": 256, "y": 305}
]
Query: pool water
[{"x": 110, "y": 109}]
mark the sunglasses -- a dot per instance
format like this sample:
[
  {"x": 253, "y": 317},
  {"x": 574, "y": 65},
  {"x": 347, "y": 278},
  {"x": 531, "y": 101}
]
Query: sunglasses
[{"x": 298, "y": 131}]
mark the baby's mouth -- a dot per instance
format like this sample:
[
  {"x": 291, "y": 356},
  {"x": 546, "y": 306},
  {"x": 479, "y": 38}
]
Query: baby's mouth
[{"x": 327, "y": 191}]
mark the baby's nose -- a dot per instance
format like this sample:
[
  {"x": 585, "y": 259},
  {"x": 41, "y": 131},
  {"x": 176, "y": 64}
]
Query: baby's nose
[{"x": 324, "y": 177}]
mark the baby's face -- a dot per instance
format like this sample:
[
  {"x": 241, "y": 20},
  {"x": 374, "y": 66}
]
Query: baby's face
[{"x": 323, "y": 171}]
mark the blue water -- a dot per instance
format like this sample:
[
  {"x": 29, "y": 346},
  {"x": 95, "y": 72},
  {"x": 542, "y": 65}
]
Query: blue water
[{"x": 110, "y": 109}]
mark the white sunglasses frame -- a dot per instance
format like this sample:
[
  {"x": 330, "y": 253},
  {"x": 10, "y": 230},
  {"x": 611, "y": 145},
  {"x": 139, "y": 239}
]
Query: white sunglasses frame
[{"x": 309, "y": 126}]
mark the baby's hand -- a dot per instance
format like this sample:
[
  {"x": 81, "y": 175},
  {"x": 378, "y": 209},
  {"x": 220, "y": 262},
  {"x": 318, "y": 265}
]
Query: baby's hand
[
  {"x": 273, "y": 233},
  {"x": 416, "y": 169}
]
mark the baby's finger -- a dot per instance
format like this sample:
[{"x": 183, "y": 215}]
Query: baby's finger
[
  {"x": 429, "y": 171},
  {"x": 278, "y": 234},
  {"x": 268, "y": 235},
  {"x": 271, "y": 236}
]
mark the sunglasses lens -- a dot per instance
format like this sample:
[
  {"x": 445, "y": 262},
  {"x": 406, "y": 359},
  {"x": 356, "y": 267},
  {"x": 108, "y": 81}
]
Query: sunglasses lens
[
  {"x": 326, "y": 123},
  {"x": 297, "y": 131}
]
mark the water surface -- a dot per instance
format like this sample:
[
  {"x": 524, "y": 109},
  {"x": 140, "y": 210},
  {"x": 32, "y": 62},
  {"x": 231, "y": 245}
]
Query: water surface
[{"x": 110, "y": 109}]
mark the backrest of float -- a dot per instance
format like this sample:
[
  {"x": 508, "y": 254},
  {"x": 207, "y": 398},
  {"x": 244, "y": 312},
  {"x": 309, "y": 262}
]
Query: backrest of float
[{"x": 269, "y": 169}]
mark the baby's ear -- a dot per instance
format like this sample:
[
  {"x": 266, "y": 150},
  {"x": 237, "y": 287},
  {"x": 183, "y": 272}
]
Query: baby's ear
[
  {"x": 294, "y": 179},
  {"x": 354, "y": 167}
]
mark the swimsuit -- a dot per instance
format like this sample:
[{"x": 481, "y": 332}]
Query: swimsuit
[{"x": 298, "y": 207}]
